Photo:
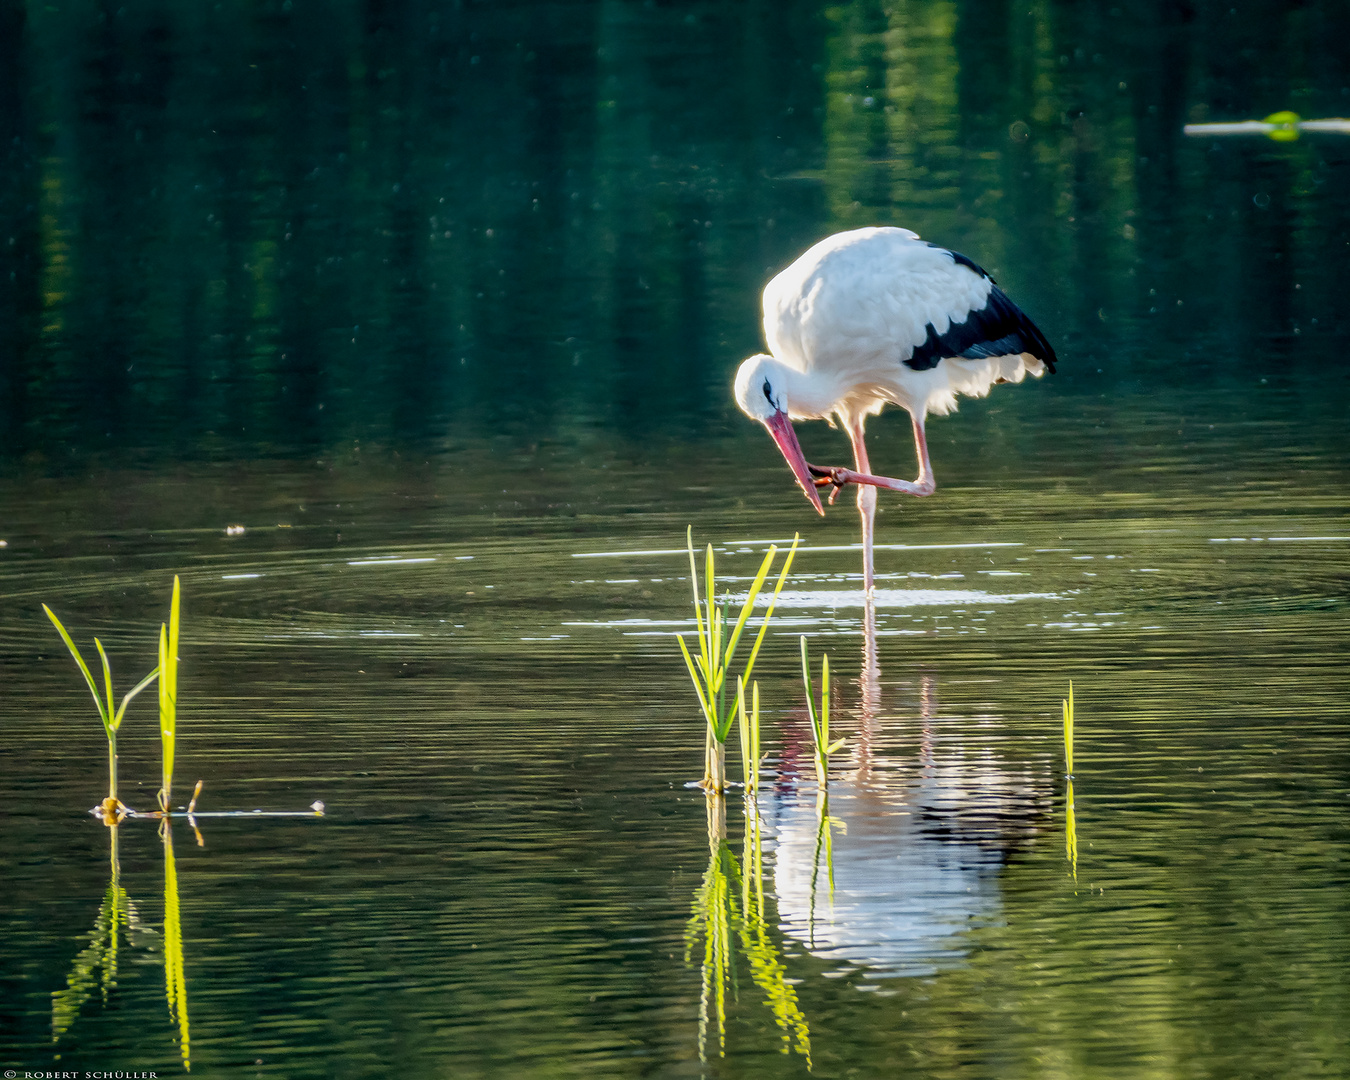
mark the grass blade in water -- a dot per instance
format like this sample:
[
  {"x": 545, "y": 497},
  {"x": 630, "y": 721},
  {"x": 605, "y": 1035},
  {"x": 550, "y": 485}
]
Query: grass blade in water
[
  {"x": 718, "y": 639},
  {"x": 84, "y": 668},
  {"x": 1068, "y": 731},
  {"x": 168, "y": 695}
]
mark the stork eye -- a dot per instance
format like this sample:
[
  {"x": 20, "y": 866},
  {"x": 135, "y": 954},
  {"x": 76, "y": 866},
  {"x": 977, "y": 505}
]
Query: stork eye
[{"x": 768, "y": 391}]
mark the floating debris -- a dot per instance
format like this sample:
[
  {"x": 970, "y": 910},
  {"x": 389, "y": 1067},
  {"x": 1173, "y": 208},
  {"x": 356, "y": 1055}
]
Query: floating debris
[{"x": 1280, "y": 126}]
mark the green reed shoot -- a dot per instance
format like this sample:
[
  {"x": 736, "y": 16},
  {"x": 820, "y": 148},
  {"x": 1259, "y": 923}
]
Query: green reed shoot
[
  {"x": 1068, "y": 731},
  {"x": 168, "y": 695},
  {"x": 109, "y": 712},
  {"x": 820, "y": 718},
  {"x": 749, "y": 731},
  {"x": 717, "y": 641}
]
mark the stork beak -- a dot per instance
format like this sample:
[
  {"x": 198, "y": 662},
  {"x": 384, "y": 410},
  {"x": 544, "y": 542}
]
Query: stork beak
[{"x": 780, "y": 427}]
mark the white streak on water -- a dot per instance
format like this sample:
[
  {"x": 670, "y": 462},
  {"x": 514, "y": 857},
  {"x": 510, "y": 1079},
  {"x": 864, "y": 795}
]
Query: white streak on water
[
  {"x": 896, "y": 598},
  {"x": 913, "y": 547},
  {"x": 615, "y": 554},
  {"x": 1272, "y": 539},
  {"x": 801, "y": 548}
]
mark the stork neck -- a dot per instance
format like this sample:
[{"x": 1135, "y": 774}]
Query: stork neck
[{"x": 810, "y": 395}]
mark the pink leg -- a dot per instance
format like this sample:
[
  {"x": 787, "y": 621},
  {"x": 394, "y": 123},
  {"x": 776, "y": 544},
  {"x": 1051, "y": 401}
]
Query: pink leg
[
  {"x": 924, "y": 485},
  {"x": 867, "y": 500}
]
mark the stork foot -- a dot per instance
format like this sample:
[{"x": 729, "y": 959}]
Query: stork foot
[{"x": 833, "y": 477}]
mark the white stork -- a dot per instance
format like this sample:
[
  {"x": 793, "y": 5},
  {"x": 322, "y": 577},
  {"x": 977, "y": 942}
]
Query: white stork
[{"x": 873, "y": 316}]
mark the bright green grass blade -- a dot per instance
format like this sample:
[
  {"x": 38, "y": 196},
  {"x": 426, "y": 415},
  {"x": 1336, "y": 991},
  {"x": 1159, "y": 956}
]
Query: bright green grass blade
[
  {"x": 1068, "y": 731},
  {"x": 719, "y": 690},
  {"x": 748, "y": 607},
  {"x": 168, "y": 720},
  {"x": 165, "y": 720},
  {"x": 107, "y": 680},
  {"x": 163, "y": 688},
  {"x": 806, "y": 681},
  {"x": 168, "y": 665},
  {"x": 778, "y": 588},
  {"x": 754, "y": 729},
  {"x": 84, "y": 668},
  {"x": 747, "y": 759},
  {"x": 723, "y": 717},
  {"x": 693, "y": 674},
  {"x": 698, "y": 608},
  {"x": 722, "y": 728},
  {"x": 121, "y": 709},
  {"x": 723, "y": 667},
  {"x": 824, "y": 703},
  {"x": 773, "y": 602},
  {"x": 174, "y": 607},
  {"x": 714, "y": 630},
  {"x": 719, "y": 639}
]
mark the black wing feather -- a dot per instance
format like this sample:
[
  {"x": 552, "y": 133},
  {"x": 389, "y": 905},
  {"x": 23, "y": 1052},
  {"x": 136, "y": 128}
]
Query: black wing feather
[{"x": 1000, "y": 328}]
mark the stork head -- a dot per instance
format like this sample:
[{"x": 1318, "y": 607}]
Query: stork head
[{"x": 761, "y": 392}]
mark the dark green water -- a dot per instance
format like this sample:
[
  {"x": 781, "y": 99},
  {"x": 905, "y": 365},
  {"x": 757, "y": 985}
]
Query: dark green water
[{"x": 441, "y": 303}]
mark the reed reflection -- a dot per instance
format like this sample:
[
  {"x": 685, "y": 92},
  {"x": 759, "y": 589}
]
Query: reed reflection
[
  {"x": 1071, "y": 833},
  {"x": 1070, "y": 820},
  {"x": 730, "y": 912},
  {"x": 95, "y": 968},
  {"x": 823, "y": 855},
  {"x": 175, "y": 981}
]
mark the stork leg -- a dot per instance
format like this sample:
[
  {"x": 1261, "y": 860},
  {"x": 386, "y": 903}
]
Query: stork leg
[
  {"x": 867, "y": 500},
  {"x": 837, "y": 477}
]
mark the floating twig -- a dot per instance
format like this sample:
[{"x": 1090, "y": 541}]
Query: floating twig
[{"x": 1280, "y": 126}]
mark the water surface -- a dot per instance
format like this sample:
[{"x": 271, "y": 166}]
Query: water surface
[{"x": 441, "y": 306}]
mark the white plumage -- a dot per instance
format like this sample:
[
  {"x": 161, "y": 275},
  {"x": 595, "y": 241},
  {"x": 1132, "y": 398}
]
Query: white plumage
[{"x": 873, "y": 316}]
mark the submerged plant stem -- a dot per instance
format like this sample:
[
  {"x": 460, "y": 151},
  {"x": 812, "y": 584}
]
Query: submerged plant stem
[{"x": 715, "y": 764}]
